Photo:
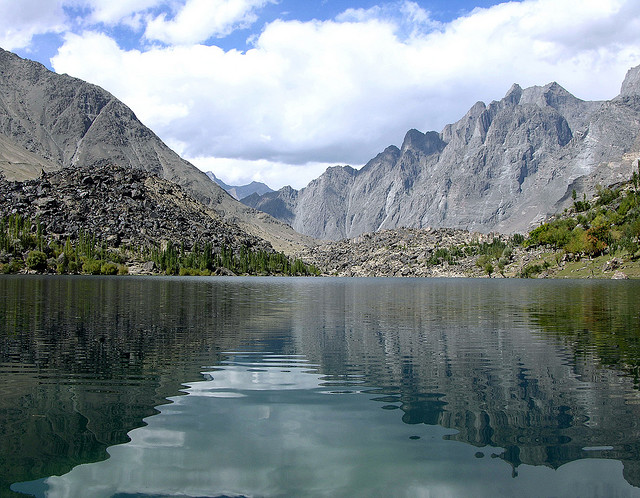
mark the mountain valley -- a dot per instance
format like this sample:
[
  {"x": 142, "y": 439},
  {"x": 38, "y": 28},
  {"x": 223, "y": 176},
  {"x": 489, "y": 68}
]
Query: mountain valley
[{"x": 77, "y": 163}]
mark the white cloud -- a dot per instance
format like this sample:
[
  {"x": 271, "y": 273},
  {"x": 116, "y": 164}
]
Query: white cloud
[
  {"x": 112, "y": 12},
  {"x": 192, "y": 21},
  {"x": 18, "y": 24},
  {"x": 407, "y": 18},
  {"x": 340, "y": 91},
  {"x": 199, "y": 20},
  {"x": 21, "y": 21}
]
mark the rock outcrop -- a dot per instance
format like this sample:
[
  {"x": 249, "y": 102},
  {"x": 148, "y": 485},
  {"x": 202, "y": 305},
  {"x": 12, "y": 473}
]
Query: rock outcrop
[
  {"x": 120, "y": 207},
  {"x": 502, "y": 167}
]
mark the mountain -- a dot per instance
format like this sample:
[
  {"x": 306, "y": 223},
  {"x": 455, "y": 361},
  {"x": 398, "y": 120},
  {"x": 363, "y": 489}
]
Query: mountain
[
  {"x": 239, "y": 192},
  {"x": 502, "y": 167},
  {"x": 50, "y": 121},
  {"x": 122, "y": 207}
]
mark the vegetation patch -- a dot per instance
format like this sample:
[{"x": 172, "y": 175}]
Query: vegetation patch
[{"x": 24, "y": 246}]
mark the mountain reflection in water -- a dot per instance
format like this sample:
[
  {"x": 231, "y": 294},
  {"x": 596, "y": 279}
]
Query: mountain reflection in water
[{"x": 306, "y": 382}]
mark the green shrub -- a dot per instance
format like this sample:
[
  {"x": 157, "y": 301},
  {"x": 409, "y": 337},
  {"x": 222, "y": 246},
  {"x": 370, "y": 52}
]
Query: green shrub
[
  {"x": 531, "y": 270},
  {"x": 91, "y": 266},
  {"x": 582, "y": 220},
  {"x": 483, "y": 260},
  {"x": 628, "y": 203},
  {"x": 37, "y": 260},
  {"x": 502, "y": 263},
  {"x": 109, "y": 268},
  {"x": 488, "y": 269},
  {"x": 15, "y": 265},
  {"x": 517, "y": 239},
  {"x": 606, "y": 195},
  {"x": 582, "y": 205},
  {"x": 577, "y": 243},
  {"x": 72, "y": 267},
  {"x": 598, "y": 238}
]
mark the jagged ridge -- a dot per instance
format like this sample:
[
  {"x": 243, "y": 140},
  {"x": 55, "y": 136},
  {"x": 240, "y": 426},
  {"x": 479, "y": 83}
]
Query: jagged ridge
[{"x": 502, "y": 167}]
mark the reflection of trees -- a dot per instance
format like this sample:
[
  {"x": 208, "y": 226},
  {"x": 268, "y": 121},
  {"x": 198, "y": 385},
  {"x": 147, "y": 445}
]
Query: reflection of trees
[
  {"x": 84, "y": 360},
  {"x": 529, "y": 367},
  {"x": 464, "y": 357},
  {"x": 599, "y": 321}
]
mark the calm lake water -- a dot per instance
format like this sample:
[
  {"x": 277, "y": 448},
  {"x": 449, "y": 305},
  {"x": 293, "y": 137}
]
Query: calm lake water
[{"x": 136, "y": 387}]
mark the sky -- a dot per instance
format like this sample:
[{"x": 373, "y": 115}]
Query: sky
[{"x": 278, "y": 90}]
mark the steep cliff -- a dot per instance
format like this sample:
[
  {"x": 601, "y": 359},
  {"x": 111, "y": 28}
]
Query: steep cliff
[{"x": 502, "y": 167}]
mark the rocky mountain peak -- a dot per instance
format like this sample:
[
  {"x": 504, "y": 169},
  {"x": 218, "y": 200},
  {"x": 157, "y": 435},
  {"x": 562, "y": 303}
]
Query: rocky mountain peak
[
  {"x": 288, "y": 190},
  {"x": 514, "y": 94},
  {"x": 551, "y": 94},
  {"x": 631, "y": 83},
  {"x": 241, "y": 191},
  {"x": 426, "y": 143},
  {"x": 340, "y": 170},
  {"x": 502, "y": 166},
  {"x": 464, "y": 129}
]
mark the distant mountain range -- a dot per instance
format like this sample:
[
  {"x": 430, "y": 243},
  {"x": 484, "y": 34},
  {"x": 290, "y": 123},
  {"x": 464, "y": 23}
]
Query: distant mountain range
[
  {"x": 239, "y": 192},
  {"x": 50, "y": 121},
  {"x": 502, "y": 167}
]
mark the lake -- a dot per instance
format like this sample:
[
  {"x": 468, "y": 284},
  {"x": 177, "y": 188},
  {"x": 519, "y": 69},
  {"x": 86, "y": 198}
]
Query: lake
[{"x": 152, "y": 386}]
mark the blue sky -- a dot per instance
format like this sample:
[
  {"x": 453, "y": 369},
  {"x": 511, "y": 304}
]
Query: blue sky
[
  {"x": 278, "y": 90},
  {"x": 44, "y": 46}
]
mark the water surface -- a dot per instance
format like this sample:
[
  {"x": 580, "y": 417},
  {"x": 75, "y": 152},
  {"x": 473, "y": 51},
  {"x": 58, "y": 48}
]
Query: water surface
[{"x": 318, "y": 387}]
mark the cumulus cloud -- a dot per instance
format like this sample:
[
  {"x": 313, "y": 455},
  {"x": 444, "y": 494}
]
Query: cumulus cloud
[
  {"x": 115, "y": 12},
  {"x": 341, "y": 90},
  {"x": 199, "y": 20},
  {"x": 407, "y": 18},
  {"x": 18, "y": 25}
]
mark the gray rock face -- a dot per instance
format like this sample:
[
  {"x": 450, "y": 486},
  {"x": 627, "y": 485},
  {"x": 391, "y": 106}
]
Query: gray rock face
[
  {"x": 17, "y": 163},
  {"x": 241, "y": 191},
  {"x": 120, "y": 206},
  {"x": 502, "y": 167},
  {"x": 57, "y": 121}
]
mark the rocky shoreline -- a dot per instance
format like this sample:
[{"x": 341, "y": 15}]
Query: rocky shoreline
[
  {"x": 412, "y": 252},
  {"x": 404, "y": 252},
  {"x": 127, "y": 212},
  {"x": 127, "y": 209}
]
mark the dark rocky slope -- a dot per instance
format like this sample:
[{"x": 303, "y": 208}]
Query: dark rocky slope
[
  {"x": 502, "y": 167},
  {"x": 121, "y": 207}
]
